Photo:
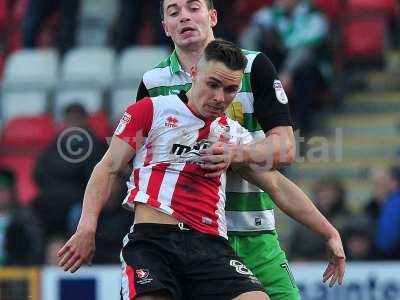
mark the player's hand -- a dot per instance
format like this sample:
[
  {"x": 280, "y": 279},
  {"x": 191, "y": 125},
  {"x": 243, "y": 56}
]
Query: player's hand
[
  {"x": 337, "y": 261},
  {"x": 78, "y": 250},
  {"x": 216, "y": 159}
]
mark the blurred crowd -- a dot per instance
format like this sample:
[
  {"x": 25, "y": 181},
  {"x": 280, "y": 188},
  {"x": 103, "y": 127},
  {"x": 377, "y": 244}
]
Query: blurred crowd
[
  {"x": 373, "y": 233},
  {"x": 297, "y": 35}
]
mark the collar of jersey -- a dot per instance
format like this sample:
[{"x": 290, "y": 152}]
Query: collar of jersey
[{"x": 175, "y": 65}]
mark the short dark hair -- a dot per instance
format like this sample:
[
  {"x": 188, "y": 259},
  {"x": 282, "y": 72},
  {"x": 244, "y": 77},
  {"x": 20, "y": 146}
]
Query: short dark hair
[
  {"x": 209, "y": 3},
  {"x": 75, "y": 108},
  {"x": 226, "y": 52}
]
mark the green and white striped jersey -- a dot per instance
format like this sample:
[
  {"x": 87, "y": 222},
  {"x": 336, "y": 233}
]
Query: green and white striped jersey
[{"x": 248, "y": 209}]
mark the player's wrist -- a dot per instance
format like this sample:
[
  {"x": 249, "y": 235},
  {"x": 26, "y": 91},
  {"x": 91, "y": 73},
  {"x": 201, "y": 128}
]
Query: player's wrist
[
  {"x": 239, "y": 155},
  {"x": 87, "y": 225},
  {"x": 332, "y": 234}
]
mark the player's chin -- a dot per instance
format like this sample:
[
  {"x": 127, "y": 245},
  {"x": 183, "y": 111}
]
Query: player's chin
[
  {"x": 188, "y": 41},
  {"x": 212, "y": 115}
]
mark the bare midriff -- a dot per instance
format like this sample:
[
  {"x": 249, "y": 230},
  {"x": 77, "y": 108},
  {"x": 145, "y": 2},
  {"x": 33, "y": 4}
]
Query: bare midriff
[{"x": 147, "y": 214}]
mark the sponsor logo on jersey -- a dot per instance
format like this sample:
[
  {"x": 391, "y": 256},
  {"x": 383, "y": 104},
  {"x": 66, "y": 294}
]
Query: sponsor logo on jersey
[
  {"x": 189, "y": 152},
  {"x": 257, "y": 221},
  {"x": 280, "y": 92},
  {"x": 126, "y": 118},
  {"x": 171, "y": 121}
]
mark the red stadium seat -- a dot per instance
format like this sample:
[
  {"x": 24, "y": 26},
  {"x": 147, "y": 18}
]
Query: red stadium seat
[
  {"x": 3, "y": 13},
  {"x": 387, "y": 7},
  {"x": 250, "y": 7},
  {"x": 19, "y": 8},
  {"x": 100, "y": 125},
  {"x": 22, "y": 166},
  {"x": 29, "y": 131},
  {"x": 332, "y": 8},
  {"x": 363, "y": 39}
]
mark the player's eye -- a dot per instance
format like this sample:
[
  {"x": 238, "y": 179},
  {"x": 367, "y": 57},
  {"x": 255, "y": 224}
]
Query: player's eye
[
  {"x": 173, "y": 13},
  {"x": 212, "y": 85},
  {"x": 194, "y": 7},
  {"x": 231, "y": 90}
]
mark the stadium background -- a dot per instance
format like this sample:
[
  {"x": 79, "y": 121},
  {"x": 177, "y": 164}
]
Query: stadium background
[{"x": 354, "y": 138}]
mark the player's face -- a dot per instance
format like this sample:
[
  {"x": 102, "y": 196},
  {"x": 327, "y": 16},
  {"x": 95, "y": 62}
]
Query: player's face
[
  {"x": 189, "y": 22},
  {"x": 214, "y": 88}
]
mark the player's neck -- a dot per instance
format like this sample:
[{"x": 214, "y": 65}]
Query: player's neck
[
  {"x": 190, "y": 56},
  {"x": 192, "y": 107}
]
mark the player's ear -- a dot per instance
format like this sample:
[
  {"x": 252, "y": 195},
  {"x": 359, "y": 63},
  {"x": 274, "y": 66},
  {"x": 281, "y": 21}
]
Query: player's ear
[
  {"x": 193, "y": 72},
  {"x": 213, "y": 15},
  {"x": 165, "y": 29}
]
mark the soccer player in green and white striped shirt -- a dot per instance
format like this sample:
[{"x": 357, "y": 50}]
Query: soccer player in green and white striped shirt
[{"x": 261, "y": 106}]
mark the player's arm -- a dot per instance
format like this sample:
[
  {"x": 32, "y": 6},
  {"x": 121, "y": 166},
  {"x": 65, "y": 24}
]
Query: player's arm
[
  {"x": 129, "y": 135},
  {"x": 271, "y": 109},
  {"x": 80, "y": 248},
  {"x": 295, "y": 203}
]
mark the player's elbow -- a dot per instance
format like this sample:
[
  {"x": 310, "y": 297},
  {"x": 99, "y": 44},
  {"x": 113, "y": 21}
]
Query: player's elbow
[
  {"x": 290, "y": 153},
  {"x": 285, "y": 154},
  {"x": 283, "y": 145},
  {"x": 110, "y": 164}
]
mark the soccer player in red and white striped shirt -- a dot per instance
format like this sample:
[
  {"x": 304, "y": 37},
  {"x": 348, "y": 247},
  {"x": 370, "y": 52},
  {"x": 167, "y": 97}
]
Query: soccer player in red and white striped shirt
[{"x": 178, "y": 248}]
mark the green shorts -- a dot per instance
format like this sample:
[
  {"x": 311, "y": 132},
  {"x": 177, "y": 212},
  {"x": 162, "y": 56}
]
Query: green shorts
[{"x": 264, "y": 257}]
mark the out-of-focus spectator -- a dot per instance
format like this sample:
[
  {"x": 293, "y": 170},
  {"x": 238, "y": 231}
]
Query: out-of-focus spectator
[
  {"x": 380, "y": 191},
  {"x": 228, "y": 20},
  {"x": 21, "y": 240},
  {"x": 114, "y": 223},
  {"x": 329, "y": 197},
  {"x": 294, "y": 36},
  {"x": 132, "y": 15},
  {"x": 63, "y": 169},
  {"x": 54, "y": 244},
  {"x": 387, "y": 236},
  {"x": 37, "y": 13},
  {"x": 358, "y": 238}
]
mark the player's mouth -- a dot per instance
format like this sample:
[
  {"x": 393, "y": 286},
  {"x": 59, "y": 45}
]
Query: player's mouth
[
  {"x": 215, "y": 110},
  {"x": 187, "y": 30}
]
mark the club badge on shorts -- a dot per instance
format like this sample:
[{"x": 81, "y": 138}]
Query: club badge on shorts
[{"x": 280, "y": 92}]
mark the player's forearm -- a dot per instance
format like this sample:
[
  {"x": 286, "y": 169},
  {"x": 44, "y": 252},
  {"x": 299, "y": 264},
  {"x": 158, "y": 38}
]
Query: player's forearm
[
  {"x": 295, "y": 203},
  {"x": 291, "y": 200},
  {"x": 272, "y": 152},
  {"x": 97, "y": 193}
]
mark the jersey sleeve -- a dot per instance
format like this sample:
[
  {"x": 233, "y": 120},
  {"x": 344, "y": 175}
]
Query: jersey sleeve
[
  {"x": 142, "y": 91},
  {"x": 271, "y": 105},
  {"x": 136, "y": 122}
]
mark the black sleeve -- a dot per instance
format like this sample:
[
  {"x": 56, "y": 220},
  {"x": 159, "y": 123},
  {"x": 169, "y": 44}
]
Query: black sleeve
[
  {"x": 142, "y": 92},
  {"x": 269, "y": 110}
]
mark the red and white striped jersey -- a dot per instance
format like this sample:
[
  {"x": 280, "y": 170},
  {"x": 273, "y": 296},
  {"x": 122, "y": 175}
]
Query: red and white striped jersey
[{"x": 167, "y": 137}]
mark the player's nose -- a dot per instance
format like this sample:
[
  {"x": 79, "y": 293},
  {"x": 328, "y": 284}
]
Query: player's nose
[
  {"x": 185, "y": 16},
  {"x": 219, "y": 96}
]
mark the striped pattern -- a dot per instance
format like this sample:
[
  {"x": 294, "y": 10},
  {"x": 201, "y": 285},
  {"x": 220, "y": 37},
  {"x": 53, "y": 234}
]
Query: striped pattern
[
  {"x": 171, "y": 181},
  {"x": 168, "y": 78}
]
